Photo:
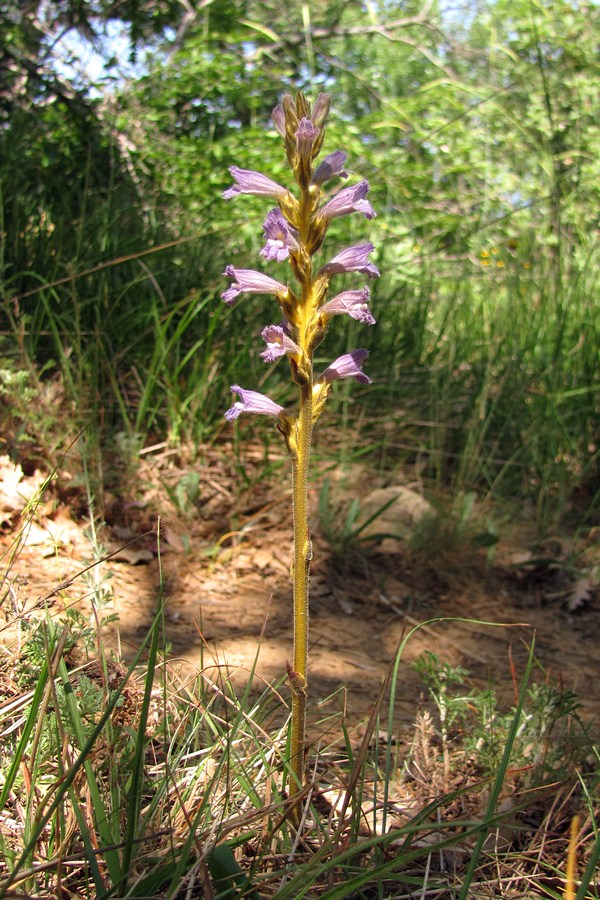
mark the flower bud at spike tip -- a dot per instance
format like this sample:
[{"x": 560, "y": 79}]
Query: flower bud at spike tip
[
  {"x": 321, "y": 110},
  {"x": 306, "y": 135},
  {"x": 289, "y": 108},
  {"x": 278, "y": 117}
]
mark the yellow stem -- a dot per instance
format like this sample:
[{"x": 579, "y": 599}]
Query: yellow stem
[
  {"x": 297, "y": 673},
  {"x": 302, "y": 557}
]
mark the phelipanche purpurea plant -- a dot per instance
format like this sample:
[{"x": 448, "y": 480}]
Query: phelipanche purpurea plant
[{"x": 295, "y": 231}]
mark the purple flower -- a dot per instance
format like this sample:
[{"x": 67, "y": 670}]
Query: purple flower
[
  {"x": 353, "y": 303},
  {"x": 347, "y": 366},
  {"x": 306, "y": 136},
  {"x": 250, "y": 182},
  {"x": 278, "y": 344},
  {"x": 353, "y": 259},
  {"x": 349, "y": 199},
  {"x": 281, "y": 237},
  {"x": 329, "y": 167},
  {"x": 252, "y": 283},
  {"x": 252, "y": 401}
]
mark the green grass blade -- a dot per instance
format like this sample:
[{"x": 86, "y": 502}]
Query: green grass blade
[
  {"x": 80, "y": 762},
  {"x": 229, "y": 880},
  {"x": 591, "y": 871},
  {"x": 101, "y": 813},
  {"x": 28, "y": 727},
  {"x": 499, "y": 780},
  {"x": 137, "y": 776}
]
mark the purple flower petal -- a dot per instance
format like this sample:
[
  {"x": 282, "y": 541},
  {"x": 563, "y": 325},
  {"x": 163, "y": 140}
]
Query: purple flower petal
[
  {"x": 252, "y": 401},
  {"x": 249, "y": 182},
  {"x": 349, "y": 199},
  {"x": 353, "y": 259},
  {"x": 278, "y": 344},
  {"x": 347, "y": 366},
  {"x": 306, "y": 136},
  {"x": 329, "y": 167},
  {"x": 281, "y": 237},
  {"x": 251, "y": 282},
  {"x": 351, "y": 303}
]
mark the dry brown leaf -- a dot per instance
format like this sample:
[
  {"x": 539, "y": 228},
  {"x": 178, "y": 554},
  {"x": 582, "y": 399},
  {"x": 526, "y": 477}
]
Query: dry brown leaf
[
  {"x": 132, "y": 555},
  {"x": 35, "y": 535},
  {"x": 16, "y": 490},
  {"x": 582, "y": 593},
  {"x": 520, "y": 557},
  {"x": 61, "y": 530},
  {"x": 175, "y": 541},
  {"x": 263, "y": 559}
]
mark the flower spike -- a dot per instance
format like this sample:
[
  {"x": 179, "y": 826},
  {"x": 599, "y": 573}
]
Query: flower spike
[{"x": 295, "y": 231}]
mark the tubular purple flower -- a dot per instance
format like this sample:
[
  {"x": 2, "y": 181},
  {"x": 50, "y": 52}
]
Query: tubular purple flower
[
  {"x": 278, "y": 344},
  {"x": 253, "y": 402},
  {"x": 281, "y": 237},
  {"x": 349, "y": 199},
  {"x": 306, "y": 136},
  {"x": 329, "y": 167},
  {"x": 352, "y": 303},
  {"x": 353, "y": 259},
  {"x": 249, "y": 182},
  {"x": 347, "y": 366},
  {"x": 251, "y": 282}
]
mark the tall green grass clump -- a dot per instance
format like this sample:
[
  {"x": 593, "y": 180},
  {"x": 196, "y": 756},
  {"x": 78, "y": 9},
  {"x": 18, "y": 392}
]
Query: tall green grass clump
[
  {"x": 491, "y": 374},
  {"x": 97, "y": 297}
]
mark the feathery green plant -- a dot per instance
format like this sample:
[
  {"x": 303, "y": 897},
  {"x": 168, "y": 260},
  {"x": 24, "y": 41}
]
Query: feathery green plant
[{"x": 295, "y": 230}]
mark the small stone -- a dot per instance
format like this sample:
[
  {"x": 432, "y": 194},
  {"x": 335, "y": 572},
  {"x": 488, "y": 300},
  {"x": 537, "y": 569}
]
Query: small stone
[{"x": 397, "y": 510}]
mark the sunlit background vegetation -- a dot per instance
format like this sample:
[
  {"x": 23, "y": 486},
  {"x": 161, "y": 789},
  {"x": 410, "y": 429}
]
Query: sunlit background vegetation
[{"x": 477, "y": 127}]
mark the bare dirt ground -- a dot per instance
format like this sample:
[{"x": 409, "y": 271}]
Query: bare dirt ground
[{"x": 221, "y": 560}]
